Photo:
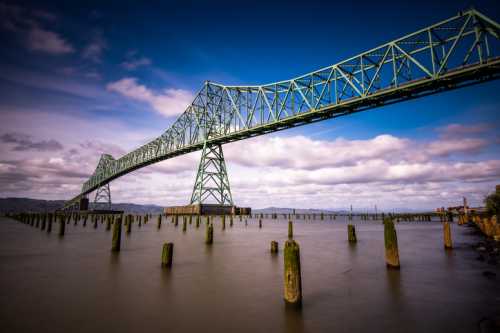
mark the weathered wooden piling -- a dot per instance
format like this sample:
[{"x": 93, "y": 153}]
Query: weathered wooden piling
[
  {"x": 197, "y": 221},
  {"x": 290, "y": 229},
  {"x": 167, "y": 255},
  {"x": 95, "y": 224},
  {"x": 128, "y": 224},
  {"x": 184, "y": 225},
  {"x": 292, "y": 276},
  {"x": 176, "y": 220},
  {"x": 231, "y": 220},
  {"x": 260, "y": 223},
  {"x": 223, "y": 217},
  {"x": 351, "y": 233},
  {"x": 391, "y": 244},
  {"x": 159, "y": 222},
  {"x": 44, "y": 222},
  {"x": 49, "y": 222},
  {"x": 62, "y": 225},
  {"x": 117, "y": 235},
  {"x": 209, "y": 235},
  {"x": 447, "y": 235},
  {"x": 274, "y": 247},
  {"x": 108, "y": 223}
]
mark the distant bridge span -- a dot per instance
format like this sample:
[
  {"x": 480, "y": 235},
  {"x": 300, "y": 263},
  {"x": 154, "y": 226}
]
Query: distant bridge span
[{"x": 457, "y": 52}]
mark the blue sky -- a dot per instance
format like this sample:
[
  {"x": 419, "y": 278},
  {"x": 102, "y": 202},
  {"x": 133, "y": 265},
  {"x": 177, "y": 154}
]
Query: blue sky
[{"x": 97, "y": 76}]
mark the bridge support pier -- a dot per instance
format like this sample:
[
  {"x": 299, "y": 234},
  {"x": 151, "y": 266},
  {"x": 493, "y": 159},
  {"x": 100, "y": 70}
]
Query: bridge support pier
[{"x": 103, "y": 197}]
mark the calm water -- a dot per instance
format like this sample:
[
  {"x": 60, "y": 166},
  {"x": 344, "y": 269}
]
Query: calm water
[{"x": 74, "y": 284}]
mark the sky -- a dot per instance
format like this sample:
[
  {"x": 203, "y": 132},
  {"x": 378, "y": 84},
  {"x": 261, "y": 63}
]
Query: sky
[{"x": 81, "y": 80}]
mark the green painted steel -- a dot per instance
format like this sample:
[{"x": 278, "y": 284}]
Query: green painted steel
[
  {"x": 453, "y": 53},
  {"x": 212, "y": 183}
]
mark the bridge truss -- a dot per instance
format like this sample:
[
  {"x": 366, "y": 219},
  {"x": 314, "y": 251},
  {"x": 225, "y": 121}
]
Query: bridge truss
[{"x": 453, "y": 53}]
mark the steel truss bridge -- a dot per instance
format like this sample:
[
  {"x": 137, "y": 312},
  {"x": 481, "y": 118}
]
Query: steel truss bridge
[{"x": 457, "y": 52}]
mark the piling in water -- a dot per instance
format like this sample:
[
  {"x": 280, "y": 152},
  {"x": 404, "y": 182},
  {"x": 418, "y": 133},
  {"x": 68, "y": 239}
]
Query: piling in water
[
  {"x": 108, "y": 223},
  {"x": 128, "y": 225},
  {"x": 62, "y": 225},
  {"x": 197, "y": 221},
  {"x": 351, "y": 233},
  {"x": 209, "y": 235},
  {"x": 292, "y": 276},
  {"x": 159, "y": 222},
  {"x": 231, "y": 220},
  {"x": 184, "y": 225},
  {"x": 447, "y": 235},
  {"x": 167, "y": 255},
  {"x": 260, "y": 223},
  {"x": 290, "y": 229},
  {"x": 391, "y": 244},
  {"x": 117, "y": 235},
  {"x": 49, "y": 222},
  {"x": 44, "y": 221},
  {"x": 274, "y": 247},
  {"x": 223, "y": 217}
]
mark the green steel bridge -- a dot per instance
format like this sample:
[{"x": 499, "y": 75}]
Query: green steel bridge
[{"x": 457, "y": 52}]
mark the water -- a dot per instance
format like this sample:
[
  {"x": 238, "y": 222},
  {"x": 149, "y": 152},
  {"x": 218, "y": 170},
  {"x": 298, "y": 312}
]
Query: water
[{"x": 75, "y": 284}]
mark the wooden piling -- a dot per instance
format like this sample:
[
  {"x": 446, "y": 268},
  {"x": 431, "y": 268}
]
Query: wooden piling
[
  {"x": 167, "y": 255},
  {"x": 44, "y": 222},
  {"x": 62, "y": 225},
  {"x": 128, "y": 224},
  {"x": 290, "y": 229},
  {"x": 274, "y": 247},
  {"x": 447, "y": 235},
  {"x": 260, "y": 223},
  {"x": 351, "y": 233},
  {"x": 223, "y": 217},
  {"x": 391, "y": 244},
  {"x": 49, "y": 222},
  {"x": 209, "y": 235},
  {"x": 117, "y": 235},
  {"x": 184, "y": 225},
  {"x": 292, "y": 276},
  {"x": 159, "y": 222}
]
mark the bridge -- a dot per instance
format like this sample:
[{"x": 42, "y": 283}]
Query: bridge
[{"x": 460, "y": 51}]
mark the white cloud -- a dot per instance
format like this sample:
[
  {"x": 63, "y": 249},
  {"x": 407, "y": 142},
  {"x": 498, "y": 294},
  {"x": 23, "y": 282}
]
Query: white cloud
[
  {"x": 459, "y": 130},
  {"x": 47, "y": 41},
  {"x": 265, "y": 171},
  {"x": 169, "y": 102},
  {"x": 305, "y": 153},
  {"x": 27, "y": 26},
  {"x": 445, "y": 147},
  {"x": 133, "y": 64}
]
